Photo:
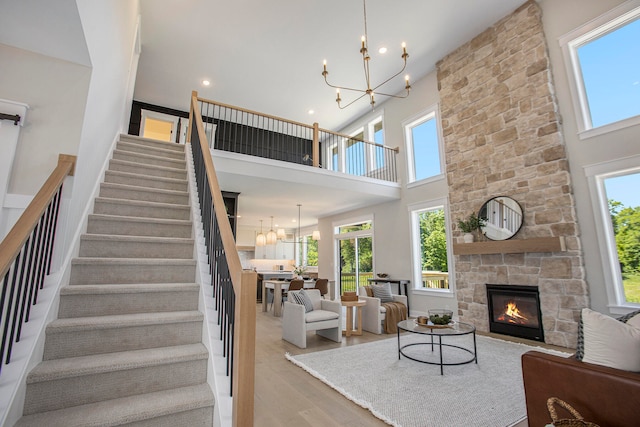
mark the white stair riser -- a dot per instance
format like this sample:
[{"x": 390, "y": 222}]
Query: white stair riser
[
  {"x": 87, "y": 342},
  {"x": 137, "y": 228},
  {"x": 85, "y": 389},
  {"x": 149, "y": 170},
  {"x": 136, "y": 249},
  {"x": 145, "y": 181},
  {"x": 135, "y": 193},
  {"x": 159, "y": 151},
  {"x": 113, "y": 273},
  {"x": 109, "y": 304},
  {"x": 146, "y": 160},
  {"x": 119, "y": 207}
]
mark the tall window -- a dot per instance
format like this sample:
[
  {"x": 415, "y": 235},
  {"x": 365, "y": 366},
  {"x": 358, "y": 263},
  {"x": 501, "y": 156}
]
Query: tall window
[
  {"x": 430, "y": 248},
  {"x": 355, "y": 253},
  {"x": 619, "y": 229},
  {"x": 603, "y": 67},
  {"x": 422, "y": 136}
]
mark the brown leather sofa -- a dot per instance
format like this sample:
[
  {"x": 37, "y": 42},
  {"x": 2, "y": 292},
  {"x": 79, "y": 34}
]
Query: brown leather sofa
[{"x": 605, "y": 396}]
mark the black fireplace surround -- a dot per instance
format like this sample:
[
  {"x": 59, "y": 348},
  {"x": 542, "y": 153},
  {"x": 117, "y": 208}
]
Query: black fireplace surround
[{"x": 515, "y": 310}]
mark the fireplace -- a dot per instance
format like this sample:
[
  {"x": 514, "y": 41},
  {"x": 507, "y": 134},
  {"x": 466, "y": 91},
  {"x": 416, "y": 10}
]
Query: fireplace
[{"x": 515, "y": 310}]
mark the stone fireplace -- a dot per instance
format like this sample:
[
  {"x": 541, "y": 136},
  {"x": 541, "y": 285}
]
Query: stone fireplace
[{"x": 502, "y": 137}]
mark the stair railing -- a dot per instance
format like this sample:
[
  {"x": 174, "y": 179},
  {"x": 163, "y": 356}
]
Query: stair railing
[
  {"x": 234, "y": 290},
  {"x": 26, "y": 254},
  {"x": 238, "y": 130}
]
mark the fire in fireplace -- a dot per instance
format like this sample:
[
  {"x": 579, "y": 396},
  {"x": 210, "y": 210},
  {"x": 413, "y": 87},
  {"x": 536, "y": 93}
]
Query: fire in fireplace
[{"x": 515, "y": 310}]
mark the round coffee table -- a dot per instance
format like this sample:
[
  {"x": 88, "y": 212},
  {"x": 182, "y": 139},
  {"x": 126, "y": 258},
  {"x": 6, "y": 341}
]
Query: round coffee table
[{"x": 440, "y": 333}]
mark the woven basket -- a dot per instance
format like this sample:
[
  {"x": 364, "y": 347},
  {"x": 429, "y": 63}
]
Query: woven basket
[{"x": 577, "y": 421}]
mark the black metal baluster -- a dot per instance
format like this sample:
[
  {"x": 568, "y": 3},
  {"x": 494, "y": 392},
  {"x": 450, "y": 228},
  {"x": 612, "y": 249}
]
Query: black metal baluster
[{"x": 10, "y": 309}]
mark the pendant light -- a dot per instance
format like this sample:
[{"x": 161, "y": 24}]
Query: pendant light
[{"x": 260, "y": 239}]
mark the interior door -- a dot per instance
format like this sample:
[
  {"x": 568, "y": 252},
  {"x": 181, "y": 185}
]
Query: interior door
[{"x": 162, "y": 127}]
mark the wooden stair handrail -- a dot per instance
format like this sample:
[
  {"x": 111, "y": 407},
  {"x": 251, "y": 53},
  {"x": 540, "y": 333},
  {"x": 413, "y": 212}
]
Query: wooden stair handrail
[
  {"x": 244, "y": 284},
  {"x": 16, "y": 238}
]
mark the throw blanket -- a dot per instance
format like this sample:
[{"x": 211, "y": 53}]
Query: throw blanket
[{"x": 396, "y": 312}]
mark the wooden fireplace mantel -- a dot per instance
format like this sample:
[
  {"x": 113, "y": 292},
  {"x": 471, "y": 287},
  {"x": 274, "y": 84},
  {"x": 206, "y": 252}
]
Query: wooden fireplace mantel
[{"x": 541, "y": 244}]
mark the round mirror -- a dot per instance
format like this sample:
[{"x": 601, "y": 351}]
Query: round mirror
[{"x": 503, "y": 217}]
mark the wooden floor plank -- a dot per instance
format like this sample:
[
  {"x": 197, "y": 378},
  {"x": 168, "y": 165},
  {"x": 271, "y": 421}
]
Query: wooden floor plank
[{"x": 287, "y": 396}]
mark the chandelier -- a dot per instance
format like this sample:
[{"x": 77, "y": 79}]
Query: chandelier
[{"x": 369, "y": 91}]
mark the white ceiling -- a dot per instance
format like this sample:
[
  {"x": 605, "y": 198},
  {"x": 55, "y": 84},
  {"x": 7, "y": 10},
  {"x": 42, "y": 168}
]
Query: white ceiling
[{"x": 267, "y": 56}]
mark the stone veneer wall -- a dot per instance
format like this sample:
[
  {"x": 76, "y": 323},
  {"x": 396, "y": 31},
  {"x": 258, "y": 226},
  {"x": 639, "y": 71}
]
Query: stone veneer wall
[{"x": 502, "y": 137}]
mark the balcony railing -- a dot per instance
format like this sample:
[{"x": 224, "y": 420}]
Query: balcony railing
[
  {"x": 435, "y": 279},
  {"x": 238, "y": 130}
]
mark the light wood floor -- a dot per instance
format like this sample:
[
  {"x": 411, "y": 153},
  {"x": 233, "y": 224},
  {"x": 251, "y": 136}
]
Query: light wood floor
[{"x": 286, "y": 395}]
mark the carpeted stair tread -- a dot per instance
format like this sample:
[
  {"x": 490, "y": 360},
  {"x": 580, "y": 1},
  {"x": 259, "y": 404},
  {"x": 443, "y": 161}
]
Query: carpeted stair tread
[
  {"x": 133, "y": 192},
  {"x": 156, "y": 150},
  {"x": 141, "y": 219},
  {"x": 83, "y": 300},
  {"x": 128, "y": 410},
  {"x": 132, "y": 288},
  {"x": 146, "y": 169},
  {"x": 132, "y": 261},
  {"x": 123, "y": 246},
  {"x": 68, "y": 367},
  {"x": 146, "y": 181},
  {"x": 148, "y": 142},
  {"x": 139, "y": 226},
  {"x": 141, "y": 208},
  {"x": 143, "y": 239},
  {"x": 122, "y": 320},
  {"x": 132, "y": 156}
]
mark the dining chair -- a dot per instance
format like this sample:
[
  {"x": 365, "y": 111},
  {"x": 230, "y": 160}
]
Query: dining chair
[
  {"x": 323, "y": 286},
  {"x": 294, "y": 285}
]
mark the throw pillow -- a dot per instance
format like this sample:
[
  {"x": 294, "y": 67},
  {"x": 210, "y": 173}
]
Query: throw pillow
[
  {"x": 383, "y": 292},
  {"x": 634, "y": 321},
  {"x": 303, "y": 298},
  {"x": 624, "y": 319},
  {"x": 609, "y": 342}
]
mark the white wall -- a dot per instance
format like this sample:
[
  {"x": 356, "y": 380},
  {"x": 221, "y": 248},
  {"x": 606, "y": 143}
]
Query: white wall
[
  {"x": 391, "y": 229},
  {"x": 56, "y": 92},
  {"x": 110, "y": 29},
  {"x": 558, "y": 19}
]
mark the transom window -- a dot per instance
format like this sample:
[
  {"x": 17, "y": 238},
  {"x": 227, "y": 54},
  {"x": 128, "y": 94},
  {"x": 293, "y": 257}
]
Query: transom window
[
  {"x": 424, "y": 153},
  {"x": 603, "y": 59}
]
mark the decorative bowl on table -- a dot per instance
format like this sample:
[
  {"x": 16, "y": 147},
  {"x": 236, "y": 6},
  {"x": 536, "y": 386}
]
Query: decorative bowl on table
[
  {"x": 382, "y": 275},
  {"x": 440, "y": 317}
]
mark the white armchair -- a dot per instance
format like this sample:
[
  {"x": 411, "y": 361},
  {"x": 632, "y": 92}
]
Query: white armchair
[
  {"x": 373, "y": 313},
  {"x": 325, "y": 319}
]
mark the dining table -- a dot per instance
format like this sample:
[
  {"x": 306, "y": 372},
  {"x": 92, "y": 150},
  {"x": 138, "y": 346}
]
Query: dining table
[{"x": 278, "y": 287}]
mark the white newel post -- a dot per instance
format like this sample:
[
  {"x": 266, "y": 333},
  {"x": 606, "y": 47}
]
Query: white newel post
[{"x": 9, "y": 133}]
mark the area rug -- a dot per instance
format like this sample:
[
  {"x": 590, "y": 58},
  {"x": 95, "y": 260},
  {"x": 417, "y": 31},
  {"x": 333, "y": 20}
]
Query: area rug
[{"x": 406, "y": 393}]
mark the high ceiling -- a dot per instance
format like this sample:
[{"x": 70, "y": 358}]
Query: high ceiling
[{"x": 267, "y": 56}]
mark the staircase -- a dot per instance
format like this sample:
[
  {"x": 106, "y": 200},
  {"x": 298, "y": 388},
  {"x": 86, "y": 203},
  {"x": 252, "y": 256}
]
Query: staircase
[{"x": 127, "y": 348}]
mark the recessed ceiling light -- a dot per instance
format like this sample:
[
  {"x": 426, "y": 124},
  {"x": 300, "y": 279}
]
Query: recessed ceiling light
[
  {"x": 382, "y": 50},
  {"x": 206, "y": 83},
  {"x": 310, "y": 111}
]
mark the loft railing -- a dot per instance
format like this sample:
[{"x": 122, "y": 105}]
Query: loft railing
[
  {"x": 238, "y": 130},
  {"x": 25, "y": 256},
  {"x": 234, "y": 290}
]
